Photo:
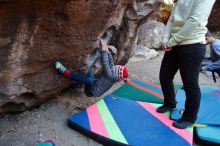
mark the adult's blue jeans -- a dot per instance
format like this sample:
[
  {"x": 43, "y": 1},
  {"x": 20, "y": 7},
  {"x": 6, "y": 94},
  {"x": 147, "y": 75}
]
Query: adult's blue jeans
[
  {"x": 207, "y": 61},
  {"x": 187, "y": 59}
]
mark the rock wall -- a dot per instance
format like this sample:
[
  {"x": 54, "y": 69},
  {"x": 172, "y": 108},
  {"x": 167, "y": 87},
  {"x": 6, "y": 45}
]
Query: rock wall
[
  {"x": 214, "y": 21},
  {"x": 33, "y": 33}
]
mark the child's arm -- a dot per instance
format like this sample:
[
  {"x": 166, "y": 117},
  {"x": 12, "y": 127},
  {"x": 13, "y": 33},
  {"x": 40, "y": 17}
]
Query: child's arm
[
  {"x": 78, "y": 77},
  {"x": 105, "y": 47},
  {"x": 111, "y": 62},
  {"x": 106, "y": 60},
  {"x": 105, "y": 64}
]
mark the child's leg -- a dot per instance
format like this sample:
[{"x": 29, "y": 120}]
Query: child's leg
[
  {"x": 90, "y": 75},
  {"x": 88, "y": 79},
  {"x": 89, "y": 87},
  {"x": 81, "y": 78}
]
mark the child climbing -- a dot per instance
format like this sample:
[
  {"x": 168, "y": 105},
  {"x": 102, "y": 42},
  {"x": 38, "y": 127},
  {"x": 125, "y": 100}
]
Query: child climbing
[{"x": 111, "y": 73}]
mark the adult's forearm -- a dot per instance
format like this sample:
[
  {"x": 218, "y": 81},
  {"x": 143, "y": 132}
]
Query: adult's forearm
[{"x": 169, "y": 26}]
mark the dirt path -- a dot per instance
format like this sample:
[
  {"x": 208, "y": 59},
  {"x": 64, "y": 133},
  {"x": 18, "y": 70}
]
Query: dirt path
[{"x": 48, "y": 121}]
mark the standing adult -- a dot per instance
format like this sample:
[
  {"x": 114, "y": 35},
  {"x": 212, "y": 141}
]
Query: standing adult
[{"x": 184, "y": 46}]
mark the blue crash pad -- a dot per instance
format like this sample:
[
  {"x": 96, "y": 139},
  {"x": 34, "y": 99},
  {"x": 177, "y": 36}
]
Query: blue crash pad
[
  {"x": 209, "y": 134},
  {"x": 121, "y": 121},
  {"x": 209, "y": 112}
]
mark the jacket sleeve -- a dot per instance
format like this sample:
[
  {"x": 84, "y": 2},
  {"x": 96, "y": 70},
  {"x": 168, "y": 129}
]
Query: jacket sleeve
[
  {"x": 111, "y": 62},
  {"x": 200, "y": 14},
  {"x": 169, "y": 26},
  {"x": 105, "y": 64},
  {"x": 216, "y": 47}
]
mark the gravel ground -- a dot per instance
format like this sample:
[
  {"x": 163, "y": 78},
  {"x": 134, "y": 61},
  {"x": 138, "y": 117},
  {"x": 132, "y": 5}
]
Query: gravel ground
[{"x": 48, "y": 121}]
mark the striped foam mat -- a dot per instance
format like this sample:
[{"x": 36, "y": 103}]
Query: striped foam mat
[{"x": 120, "y": 121}]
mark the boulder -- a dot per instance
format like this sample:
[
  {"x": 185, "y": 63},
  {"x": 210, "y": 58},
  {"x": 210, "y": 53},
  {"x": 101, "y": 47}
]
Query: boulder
[
  {"x": 150, "y": 34},
  {"x": 143, "y": 53},
  {"x": 214, "y": 21},
  {"x": 34, "y": 33}
]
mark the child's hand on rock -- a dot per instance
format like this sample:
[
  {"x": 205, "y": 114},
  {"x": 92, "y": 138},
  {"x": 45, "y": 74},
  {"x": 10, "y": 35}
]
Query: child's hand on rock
[{"x": 104, "y": 45}]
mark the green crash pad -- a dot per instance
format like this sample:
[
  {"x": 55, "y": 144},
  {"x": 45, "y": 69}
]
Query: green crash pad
[{"x": 142, "y": 91}]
